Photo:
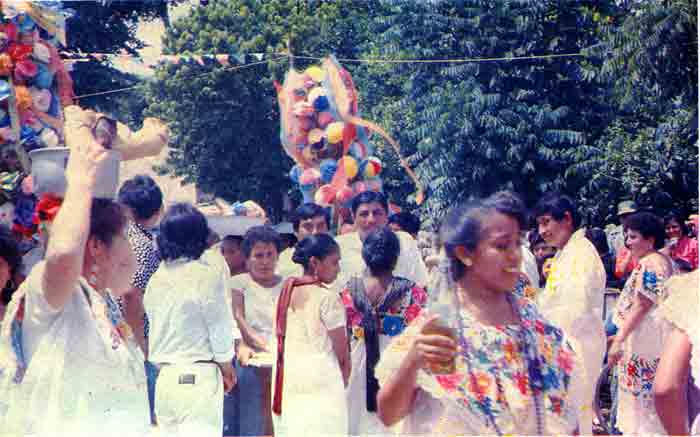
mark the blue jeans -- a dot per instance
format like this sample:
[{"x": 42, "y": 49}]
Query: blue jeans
[
  {"x": 244, "y": 408},
  {"x": 151, "y": 376}
]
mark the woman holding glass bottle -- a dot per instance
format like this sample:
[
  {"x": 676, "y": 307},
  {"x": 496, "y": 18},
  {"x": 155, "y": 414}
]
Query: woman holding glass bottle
[{"x": 484, "y": 361}]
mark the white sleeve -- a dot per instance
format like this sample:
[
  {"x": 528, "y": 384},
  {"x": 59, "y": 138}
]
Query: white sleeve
[
  {"x": 410, "y": 264},
  {"x": 332, "y": 311},
  {"x": 529, "y": 267},
  {"x": 218, "y": 315}
]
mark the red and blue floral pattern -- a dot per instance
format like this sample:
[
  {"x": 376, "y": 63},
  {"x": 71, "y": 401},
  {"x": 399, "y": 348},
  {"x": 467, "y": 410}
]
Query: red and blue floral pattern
[{"x": 391, "y": 323}]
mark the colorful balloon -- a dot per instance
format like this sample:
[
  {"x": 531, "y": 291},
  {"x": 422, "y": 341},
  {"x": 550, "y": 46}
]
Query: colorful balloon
[
  {"x": 371, "y": 167},
  {"x": 328, "y": 168},
  {"x": 316, "y": 136},
  {"x": 294, "y": 174},
  {"x": 348, "y": 165},
  {"x": 334, "y": 132},
  {"x": 315, "y": 73},
  {"x": 310, "y": 155},
  {"x": 310, "y": 176},
  {"x": 324, "y": 119},
  {"x": 325, "y": 195}
]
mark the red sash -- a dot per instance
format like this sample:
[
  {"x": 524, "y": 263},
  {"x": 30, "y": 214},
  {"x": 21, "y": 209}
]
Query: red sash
[{"x": 281, "y": 332}]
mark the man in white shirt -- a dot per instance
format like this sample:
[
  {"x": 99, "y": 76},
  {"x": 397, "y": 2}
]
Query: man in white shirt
[
  {"x": 308, "y": 219},
  {"x": 193, "y": 333},
  {"x": 573, "y": 295},
  {"x": 370, "y": 211}
]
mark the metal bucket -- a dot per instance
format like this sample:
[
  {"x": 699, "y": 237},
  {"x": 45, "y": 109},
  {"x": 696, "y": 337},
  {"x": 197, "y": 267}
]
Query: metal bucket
[{"x": 48, "y": 172}]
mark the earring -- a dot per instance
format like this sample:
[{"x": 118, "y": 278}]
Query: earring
[{"x": 92, "y": 278}]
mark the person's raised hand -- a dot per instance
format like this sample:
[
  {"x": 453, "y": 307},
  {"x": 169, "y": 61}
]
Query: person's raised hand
[{"x": 87, "y": 156}]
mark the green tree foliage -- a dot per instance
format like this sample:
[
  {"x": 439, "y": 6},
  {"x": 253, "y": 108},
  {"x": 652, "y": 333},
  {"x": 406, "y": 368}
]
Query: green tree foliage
[
  {"x": 109, "y": 27},
  {"x": 472, "y": 128},
  {"x": 650, "y": 152},
  {"x": 225, "y": 120}
]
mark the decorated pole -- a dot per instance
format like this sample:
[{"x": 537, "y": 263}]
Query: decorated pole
[
  {"x": 322, "y": 131},
  {"x": 16, "y": 128}
]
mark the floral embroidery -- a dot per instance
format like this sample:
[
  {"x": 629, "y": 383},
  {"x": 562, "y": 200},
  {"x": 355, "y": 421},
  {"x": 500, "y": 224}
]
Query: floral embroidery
[
  {"x": 500, "y": 381},
  {"x": 391, "y": 323},
  {"x": 638, "y": 376}
]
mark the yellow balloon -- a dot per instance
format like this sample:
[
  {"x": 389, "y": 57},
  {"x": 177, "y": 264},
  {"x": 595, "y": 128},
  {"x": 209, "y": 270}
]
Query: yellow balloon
[
  {"x": 334, "y": 132},
  {"x": 315, "y": 93},
  {"x": 349, "y": 165},
  {"x": 315, "y": 73}
]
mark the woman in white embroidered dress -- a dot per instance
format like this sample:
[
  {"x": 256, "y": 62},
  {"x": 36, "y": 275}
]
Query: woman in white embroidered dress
[
  {"x": 637, "y": 345},
  {"x": 678, "y": 374},
  {"x": 514, "y": 373},
  {"x": 312, "y": 347},
  {"x": 75, "y": 367},
  {"x": 379, "y": 306}
]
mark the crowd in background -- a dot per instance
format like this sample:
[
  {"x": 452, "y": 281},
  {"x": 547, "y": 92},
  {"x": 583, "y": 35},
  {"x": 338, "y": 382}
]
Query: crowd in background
[{"x": 137, "y": 319}]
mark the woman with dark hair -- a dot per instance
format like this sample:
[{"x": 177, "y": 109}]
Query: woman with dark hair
[
  {"x": 191, "y": 338},
  {"x": 502, "y": 369},
  {"x": 310, "y": 334},
  {"x": 680, "y": 246},
  {"x": 73, "y": 365},
  {"x": 379, "y": 306},
  {"x": 254, "y": 296},
  {"x": 144, "y": 201},
  {"x": 637, "y": 346}
]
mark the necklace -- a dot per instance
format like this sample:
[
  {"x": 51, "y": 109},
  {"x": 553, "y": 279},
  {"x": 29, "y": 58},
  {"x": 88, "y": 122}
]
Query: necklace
[{"x": 533, "y": 367}]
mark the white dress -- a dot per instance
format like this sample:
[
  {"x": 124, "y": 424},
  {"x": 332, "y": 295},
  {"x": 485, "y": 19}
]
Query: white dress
[
  {"x": 641, "y": 351},
  {"x": 681, "y": 308},
  {"x": 573, "y": 301},
  {"x": 85, "y": 373},
  {"x": 259, "y": 304},
  {"x": 313, "y": 396}
]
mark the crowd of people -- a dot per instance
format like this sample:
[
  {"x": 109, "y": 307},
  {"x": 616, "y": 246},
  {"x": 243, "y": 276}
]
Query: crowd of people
[{"x": 138, "y": 320}]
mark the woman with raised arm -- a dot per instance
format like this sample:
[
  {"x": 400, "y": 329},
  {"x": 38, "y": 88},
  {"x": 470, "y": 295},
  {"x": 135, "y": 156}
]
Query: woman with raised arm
[
  {"x": 72, "y": 365},
  {"x": 488, "y": 364}
]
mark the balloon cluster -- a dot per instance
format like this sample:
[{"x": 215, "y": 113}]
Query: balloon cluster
[
  {"x": 32, "y": 70},
  {"x": 331, "y": 153}
]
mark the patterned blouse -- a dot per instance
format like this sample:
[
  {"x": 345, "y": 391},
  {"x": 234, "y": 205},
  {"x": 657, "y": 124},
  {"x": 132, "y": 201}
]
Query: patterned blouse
[
  {"x": 147, "y": 261},
  {"x": 391, "y": 322},
  {"x": 491, "y": 391}
]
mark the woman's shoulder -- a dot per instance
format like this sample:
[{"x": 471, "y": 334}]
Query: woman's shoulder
[
  {"x": 241, "y": 281},
  {"x": 657, "y": 263}
]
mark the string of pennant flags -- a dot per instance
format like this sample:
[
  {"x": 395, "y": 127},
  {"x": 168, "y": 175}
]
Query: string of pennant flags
[
  {"x": 239, "y": 61},
  {"x": 228, "y": 59}
]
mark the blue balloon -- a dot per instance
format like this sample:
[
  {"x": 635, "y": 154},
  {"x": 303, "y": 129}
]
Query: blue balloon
[
  {"x": 321, "y": 103},
  {"x": 294, "y": 174},
  {"x": 328, "y": 168},
  {"x": 43, "y": 78}
]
